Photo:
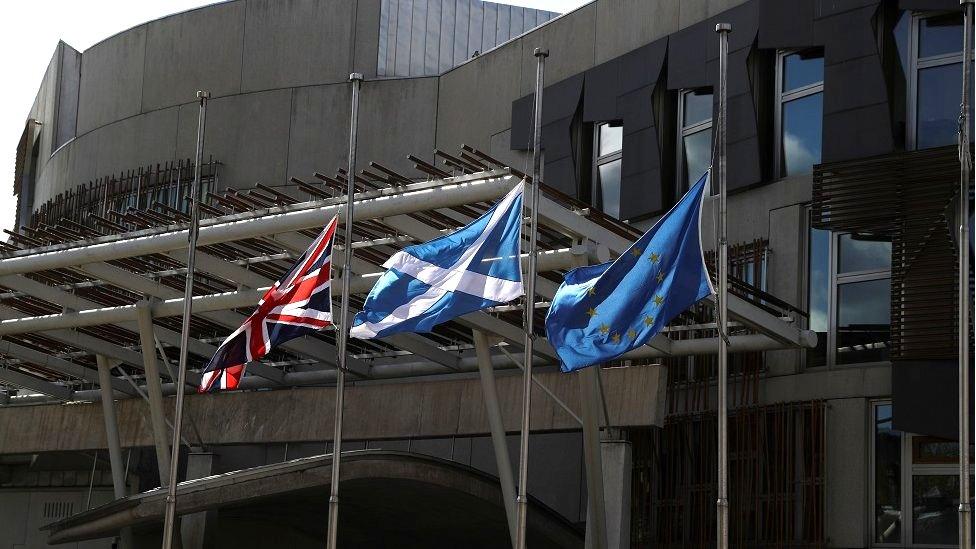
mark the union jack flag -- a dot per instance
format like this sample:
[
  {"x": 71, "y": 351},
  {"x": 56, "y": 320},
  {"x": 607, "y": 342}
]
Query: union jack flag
[{"x": 299, "y": 303}]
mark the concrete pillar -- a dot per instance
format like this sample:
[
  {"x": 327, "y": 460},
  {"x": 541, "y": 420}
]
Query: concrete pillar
[
  {"x": 199, "y": 529},
  {"x": 590, "y": 398},
  {"x": 155, "y": 389},
  {"x": 492, "y": 408},
  {"x": 617, "y": 468},
  {"x": 112, "y": 439}
]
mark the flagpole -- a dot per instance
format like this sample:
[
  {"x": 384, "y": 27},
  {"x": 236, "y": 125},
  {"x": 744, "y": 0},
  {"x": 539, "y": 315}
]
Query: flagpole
[
  {"x": 342, "y": 333},
  {"x": 965, "y": 176},
  {"x": 523, "y": 499},
  {"x": 722, "y": 504},
  {"x": 169, "y": 523}
]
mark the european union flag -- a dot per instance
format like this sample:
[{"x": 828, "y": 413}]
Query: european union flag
[{"x": 602, "y": 311}]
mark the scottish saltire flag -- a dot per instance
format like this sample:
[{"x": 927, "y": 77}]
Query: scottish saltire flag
[
  {"x": 473, "y": 268},
  {"x": 299, "y": 303},
  {"x": 602, "y": 311}
]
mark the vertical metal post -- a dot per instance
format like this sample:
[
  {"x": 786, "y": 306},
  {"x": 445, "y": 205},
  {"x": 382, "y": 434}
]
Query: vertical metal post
[
  {"x": 154, "y": 389},
  {"x": 523, "y": 498},
  {"x": 497, "y": 426},
  {"x": 342, "y": 333},
  {"x": 722, "y": 504},
  {"x": 965, "y": 178},
  {"x": 170, "y": 520}
]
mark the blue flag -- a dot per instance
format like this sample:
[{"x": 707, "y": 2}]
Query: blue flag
[
  {"x": 602, "y": 311},
  {"x": 473, "y": 268}
]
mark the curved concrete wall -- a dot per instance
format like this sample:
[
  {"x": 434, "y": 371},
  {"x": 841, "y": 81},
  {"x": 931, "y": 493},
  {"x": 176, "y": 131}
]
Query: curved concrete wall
[{"x": 277, "y": 71}]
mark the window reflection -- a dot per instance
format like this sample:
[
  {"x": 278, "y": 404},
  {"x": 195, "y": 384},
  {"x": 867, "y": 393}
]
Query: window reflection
[
  {"x": 697, "y": 107},
  {"x": 802, "y": 69},
  {"x": 609, "y": 181},
  {"x": 819, "y": 294},
  {"x": 938, "y": 105},
  {"x": 862, "y": 253},
  {"x": 611, "y": 139},
  {"x": 802, "y": 129},
  {"x": 940, "y": 35},
  {"x": 697, "y": 157},
  {"x": 935, "y": 509},
  {"x": 863, "y": 321},
  {"x": 887, "y": 478}
]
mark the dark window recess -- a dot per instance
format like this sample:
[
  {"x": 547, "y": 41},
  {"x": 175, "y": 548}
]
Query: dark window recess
[{"x": 863, "y": 321}]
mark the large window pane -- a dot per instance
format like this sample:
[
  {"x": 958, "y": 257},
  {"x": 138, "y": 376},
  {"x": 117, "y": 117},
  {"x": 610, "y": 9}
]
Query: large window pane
[
  {"x": 863, "y": 254},
  {"x": 802, "y": 69},
  {"x": 611, "y": 139},
  {"x": 698, "y": 107},
  {"x": 802, "y": 129},
  {"x": 863, "y": 321},
  {"x": 697, "y": 149},
  {"x": 887, "y": 478},
  {"x": 819, "y": 294},
  {"x": 940, "y": 35},
  {"x": 935, "y": 509},
  {"x": 609, "y": 175},
  {"x": 939, "y": 91}
]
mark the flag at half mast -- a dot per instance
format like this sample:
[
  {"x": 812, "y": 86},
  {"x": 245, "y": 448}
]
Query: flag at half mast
[
  {"x": 602, "y": 311},
  {"x": 476, "y": 267}
]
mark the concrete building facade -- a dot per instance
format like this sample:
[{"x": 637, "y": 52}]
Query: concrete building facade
[{"x": 850, "y": 444}]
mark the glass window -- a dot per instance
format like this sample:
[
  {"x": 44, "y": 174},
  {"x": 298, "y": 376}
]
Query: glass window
[
  {"x": 694, "y": 137},
  {"x": 606, "y": 167},
  {"x": 611, "y": 139},
  {"x": 863, "y": 253},
  {"x": 863, "y": 321},
  {"x": 818, "y": 294},
  {"x": 935, "y": 79},
  {"x": 887, "y": 478},
  {"x": 609, "y": 182},
  {"x": 940, "y": 35},
  {"x": 800, "y": 111},
  {"x": 935, "y": 509}
]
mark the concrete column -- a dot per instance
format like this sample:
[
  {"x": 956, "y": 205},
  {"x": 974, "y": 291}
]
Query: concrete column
[
  {"x": 199, "y": 529},
  {"x": 112, "y": 436},
  {"x": 596, "y": 531},
  {"x": 617, "y": 468},
  {"x": 502, "y": 461},
  {"x": 154, "y": 389}
]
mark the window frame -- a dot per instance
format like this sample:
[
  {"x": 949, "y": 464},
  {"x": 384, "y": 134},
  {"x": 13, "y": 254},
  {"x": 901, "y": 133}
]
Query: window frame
[
  {"x": 782, "y": 98},
  {"x": 835, "y": 280},
  {"x": 683, "y": 132},
  {"x": 596, "y": 186},
  {"x": 909, "y": 470},
  {"x": 914, "y": 66}
]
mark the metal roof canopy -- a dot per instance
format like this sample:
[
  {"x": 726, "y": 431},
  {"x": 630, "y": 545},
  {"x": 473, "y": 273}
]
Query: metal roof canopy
[{"x": 74, "y": 293}]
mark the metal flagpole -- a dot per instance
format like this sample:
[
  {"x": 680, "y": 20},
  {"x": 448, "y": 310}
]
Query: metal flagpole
[
  {"x": 722, "y": 504},
  {"x": 342, "y": 333},
  {"x": 170, "y": 521},
  {"x": 523, "y": 499},
  {"x": 965, "y": 177}
]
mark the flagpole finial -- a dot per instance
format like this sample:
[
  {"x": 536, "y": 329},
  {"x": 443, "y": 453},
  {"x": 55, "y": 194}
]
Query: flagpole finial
[
  {"x": 356, "y": 77},
  {"x": 541, "y": 52},
  {"x": 723, "y": 27},
  {"x": 203, "y": 94}
]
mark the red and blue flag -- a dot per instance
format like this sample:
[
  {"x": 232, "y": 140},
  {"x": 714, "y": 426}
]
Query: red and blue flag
[{"x": 299, "y": 303}]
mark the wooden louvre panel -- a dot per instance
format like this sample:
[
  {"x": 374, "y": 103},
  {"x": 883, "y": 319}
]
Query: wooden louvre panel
[{"x": 910, "y": 197}]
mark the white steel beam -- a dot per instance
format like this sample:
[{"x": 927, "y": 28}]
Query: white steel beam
[
  {"x": 25, "y": 381},
  {"x": 45, "y": 360}
]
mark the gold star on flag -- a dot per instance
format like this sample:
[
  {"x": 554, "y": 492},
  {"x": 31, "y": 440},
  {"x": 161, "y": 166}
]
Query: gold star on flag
[
  {"x": 660, "y": 277},
  {"x": 591, "y": 290},
  {"x": 632, "y": 333},
  {"x": 637, "y": 252},
  {"x": 658, "y": 300},
  {"x": 591, "y": 312},
  {"x": 615, "y": 338},
  {"x": 654, "y": 257},
  {"x": 648, "y": 320},
  {"x": 604, "y": 328}
]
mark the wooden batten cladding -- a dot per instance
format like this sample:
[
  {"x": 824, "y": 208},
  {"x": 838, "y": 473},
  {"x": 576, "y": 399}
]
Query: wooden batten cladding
[{"x": 910, "y": 196}]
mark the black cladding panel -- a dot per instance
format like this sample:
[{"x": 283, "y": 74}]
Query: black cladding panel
[
  {"x": 925, "y": 397},
  {"x": 786, "y": 24},
  {"x": 930, "y": 5}
]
